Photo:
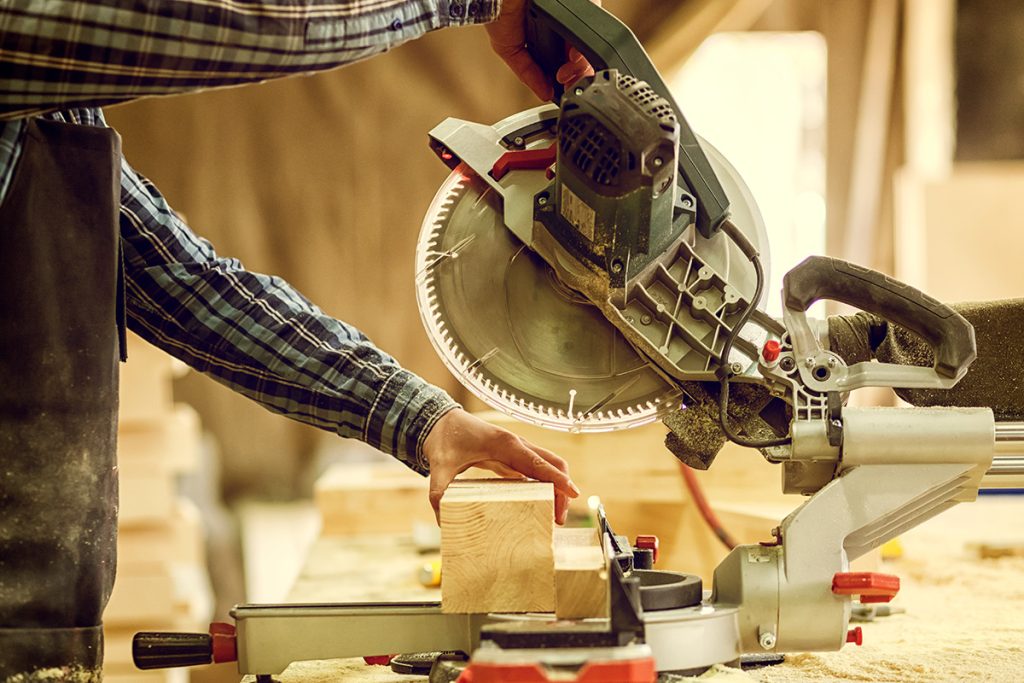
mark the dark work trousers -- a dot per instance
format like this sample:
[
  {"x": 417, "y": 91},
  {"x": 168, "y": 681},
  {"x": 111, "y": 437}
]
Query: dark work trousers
[{"x": 60, "y": 313}]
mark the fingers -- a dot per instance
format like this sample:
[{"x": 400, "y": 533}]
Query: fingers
[
  {"x": 523, "y": 66},
  {"x": 534, "y": 462},
  {"x": 558, "y": 462},
  {"x": 439, "y": 479},
  {"x": 501, "y": 469},
  {"x": 576, "y": 68},
  {"x": 561, "y": 507},
  {"x": 561, "y": 498}
]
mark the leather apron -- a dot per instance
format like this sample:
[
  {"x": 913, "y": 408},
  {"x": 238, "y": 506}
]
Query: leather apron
[{"x": 60, "y": 309}]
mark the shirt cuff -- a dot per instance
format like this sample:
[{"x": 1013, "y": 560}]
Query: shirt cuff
[
  {"x": 461, "y": 12},
  {"x": 402, "y": 415}
]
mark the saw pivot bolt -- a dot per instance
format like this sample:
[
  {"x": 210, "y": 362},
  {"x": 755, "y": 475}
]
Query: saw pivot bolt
[{"x": 766, "y": 638}]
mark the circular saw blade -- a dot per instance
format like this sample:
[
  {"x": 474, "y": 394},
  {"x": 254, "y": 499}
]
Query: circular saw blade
[{"x": 517, "y": 338}]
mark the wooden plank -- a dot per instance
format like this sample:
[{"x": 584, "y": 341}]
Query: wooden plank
[
  {"x": 363, "y": 498},
  {"x": 170, "y": 442},
  {"x": 935, "y": 252},
  {"x": 581, "y": 574},
  {"x": 639, "y": 483},
  {"x": 929, "y": 102},
  {"x": 146, "y": 496},
  {"x": 145, "y": 385},
  {"x": 497, "y": 547},
  {"x": 874, "y": 110}
]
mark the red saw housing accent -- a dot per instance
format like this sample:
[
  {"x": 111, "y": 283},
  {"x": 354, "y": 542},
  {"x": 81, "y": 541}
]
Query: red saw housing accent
[
  {"x": 870, "y": 586},
  {"x": 526, "y": 159},
  {"x": 633, "y": 671},
  {"x": 223, "y": 642}
]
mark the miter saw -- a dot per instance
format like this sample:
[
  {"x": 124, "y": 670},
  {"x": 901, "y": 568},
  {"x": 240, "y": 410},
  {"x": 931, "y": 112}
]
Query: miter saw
[{"x": 593, "y": 265}]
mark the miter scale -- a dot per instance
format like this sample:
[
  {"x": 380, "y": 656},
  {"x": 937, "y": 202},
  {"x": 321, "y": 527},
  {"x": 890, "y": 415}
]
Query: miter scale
[{"x": 593, "y": 265}]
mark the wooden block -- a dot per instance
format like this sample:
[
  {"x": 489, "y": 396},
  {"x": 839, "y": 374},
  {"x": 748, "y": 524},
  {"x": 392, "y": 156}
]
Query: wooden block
[
  {"x": 497, "y": 548},
  {"x": 642, "y": 489},
  {"x": 145, "y": 392},
  {"x": 367, "y": 498},
  {"x": 581, "y": 574},
  {"x": 136, "y": 676},
  {"x": 172, "y": 595},
  {"x": 147, "y": 496},
  {"x": 177, "y": 539},
  {"x": 141, "y": 599},
  {"x": 171, "y": 442}
]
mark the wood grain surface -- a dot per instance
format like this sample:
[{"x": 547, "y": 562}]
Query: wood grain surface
[{"x": 497, "y": 551}]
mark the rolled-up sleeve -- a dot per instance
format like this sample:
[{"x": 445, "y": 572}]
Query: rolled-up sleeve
[
  {"x": 61, "y": 54},
  {"x": 259, "y": 336}
]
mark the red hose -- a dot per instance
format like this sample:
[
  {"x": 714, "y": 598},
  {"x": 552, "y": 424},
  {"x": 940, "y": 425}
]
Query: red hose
[{"x": 709, "y": 516}]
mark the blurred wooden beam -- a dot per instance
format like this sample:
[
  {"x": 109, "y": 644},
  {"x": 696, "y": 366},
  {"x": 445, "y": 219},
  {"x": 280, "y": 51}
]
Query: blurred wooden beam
[
  {"x": 928, "y": 86},
  {"x": 871, "y": 137},
  {"x": 682, "y": 32}
]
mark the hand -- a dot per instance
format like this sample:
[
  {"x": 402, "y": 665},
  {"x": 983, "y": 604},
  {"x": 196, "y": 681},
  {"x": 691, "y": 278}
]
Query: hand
[
  {"x": 459, "y": 441},
  {"x": 508, "y": 39}
]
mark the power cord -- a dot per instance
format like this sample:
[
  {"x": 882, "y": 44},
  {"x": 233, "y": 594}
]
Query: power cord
[{"x": 724, "y": 372}]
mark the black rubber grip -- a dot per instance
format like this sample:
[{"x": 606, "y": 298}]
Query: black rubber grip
[
  {"x": 155, "y": 650},
  {"x": 946, "y": 331},
  {"x": 607, "y": 43}
]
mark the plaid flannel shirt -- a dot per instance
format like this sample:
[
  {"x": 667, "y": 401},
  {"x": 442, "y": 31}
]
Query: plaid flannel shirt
[{"x": 255, "y": 333}]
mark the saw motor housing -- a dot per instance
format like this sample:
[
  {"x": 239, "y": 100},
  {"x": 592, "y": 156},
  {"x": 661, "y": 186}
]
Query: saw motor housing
[{"x": 613, "y": 202}]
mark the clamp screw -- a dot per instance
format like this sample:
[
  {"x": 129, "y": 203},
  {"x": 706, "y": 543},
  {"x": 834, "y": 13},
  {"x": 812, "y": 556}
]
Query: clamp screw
[
  {"x": 736, "y": 368},
  {"x": 518, "y": 140},
  {"x": 767, "y": 640},
  {"x": 687, "y": 203},
  {"x": 542, "y": 200},
  {"x": 787, "y": 364}
]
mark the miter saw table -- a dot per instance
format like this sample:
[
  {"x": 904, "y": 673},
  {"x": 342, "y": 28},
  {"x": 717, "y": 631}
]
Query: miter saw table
[{"x": 594, "y": 265}]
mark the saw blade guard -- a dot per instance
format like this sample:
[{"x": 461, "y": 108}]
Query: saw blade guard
[{"x": 510, "y": 329}]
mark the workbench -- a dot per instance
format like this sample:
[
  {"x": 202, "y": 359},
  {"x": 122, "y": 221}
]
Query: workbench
[{"x": 964, "y": 618}]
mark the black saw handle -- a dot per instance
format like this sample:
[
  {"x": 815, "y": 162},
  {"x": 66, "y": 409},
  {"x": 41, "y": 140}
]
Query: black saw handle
[
  {"x": 607, "y": 43},
  {"x": 155, "y": 650},
  {"x": 946, "y": 331}
]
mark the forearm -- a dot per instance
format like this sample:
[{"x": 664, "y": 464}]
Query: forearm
[
  {"x": 70, "y": 53},
  {"x": 262, "y": 338}
]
